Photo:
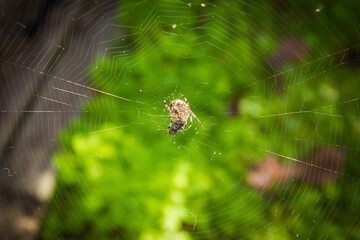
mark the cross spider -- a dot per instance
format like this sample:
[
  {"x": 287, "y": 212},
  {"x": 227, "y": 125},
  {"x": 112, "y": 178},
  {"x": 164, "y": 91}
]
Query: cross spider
[{"x": 179, "y": 112}]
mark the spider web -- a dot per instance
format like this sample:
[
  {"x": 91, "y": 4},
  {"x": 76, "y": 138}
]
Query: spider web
[{"x": 275, "y": 85}]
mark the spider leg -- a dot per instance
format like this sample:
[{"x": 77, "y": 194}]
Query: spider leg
[
  {"x": 166, "y": 105},
  {"x": 187, "y": 102},
  {"x": 182, "y": 128},
  {"x": 171, "y": 121},
  {"x": 196, "y": 119},
  {"x": 191, "y": 122}
]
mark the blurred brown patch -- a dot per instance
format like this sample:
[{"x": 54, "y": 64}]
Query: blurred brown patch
[
  {"x": 288, "y": 50},
  {"x": 262, "y": 175},
  {"x": 318, "y": 169},
  {"x": 280, "y": 5},
  {"x": 351, "y": 57},
  {"x": 234, "y": 107},
  {"x": 323, "y": 166}
]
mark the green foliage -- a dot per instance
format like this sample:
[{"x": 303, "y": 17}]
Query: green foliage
[{"x": 120, "y": 178}]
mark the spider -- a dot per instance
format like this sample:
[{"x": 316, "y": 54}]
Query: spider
[{"x": 179, "y": 112}]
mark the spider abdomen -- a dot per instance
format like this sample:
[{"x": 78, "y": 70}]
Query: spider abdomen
[{"x": 180, "y": 109}]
